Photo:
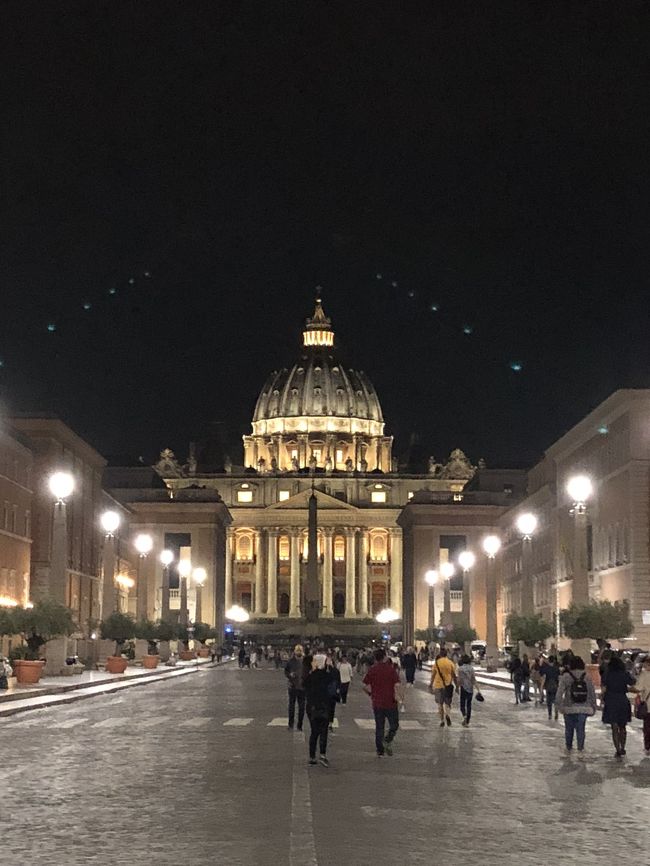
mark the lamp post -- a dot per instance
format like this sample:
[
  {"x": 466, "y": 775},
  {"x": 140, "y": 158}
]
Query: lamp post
[
  {"x": 144, "y": 545},
  {"x": 110, "y": 523},
  {"x": 61, "y": 486},
  {"x": 526, "y": 525},
  {"x": 580, "y": 490},
  {"x": 166, "y": 558},
  {"x": 447, "y": 570},
  {"x": 491, "y": 546},
  {"x": 431, "y": 577},
  {"x": 466, "y": 560},
  {"x": 200, "y": 575},
  {"x": 184, "y": 571}
]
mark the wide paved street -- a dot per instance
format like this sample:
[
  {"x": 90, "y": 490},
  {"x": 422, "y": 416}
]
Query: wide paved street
[{"x": 202, "y": 770}]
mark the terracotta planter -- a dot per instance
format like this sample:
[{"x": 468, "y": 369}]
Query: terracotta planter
[
  {"x": 115, "y": 665},
  {"x": 150, "y": 662},
  {"x": 187, "y": 655},
  {"x": 27, "y": 673},
  {"x": 204, "y": 653},
  {"x": 594, "y": 675}
]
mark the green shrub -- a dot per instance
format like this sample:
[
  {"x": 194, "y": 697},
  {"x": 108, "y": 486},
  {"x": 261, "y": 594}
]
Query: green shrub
[{"x": 119, "y": 627}]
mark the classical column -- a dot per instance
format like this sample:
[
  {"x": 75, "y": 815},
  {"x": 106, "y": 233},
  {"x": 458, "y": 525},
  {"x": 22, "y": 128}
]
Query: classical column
[
  {"x": 396, "y": 570},
  {"x": 294, "y": 600},
  {"x": 328, "y": 609},
  {"x": 259, "y": 576},
  {"x": 109, "y": 590},
  {"x": 272, "y": 574},
  {"x": 227, "y": 595},
  {"x": 350, "y": 605},
  {"x": 164, "y": 606},
  {"x": 527, "y": 594},
  {"x": 491, "y": 636},
  {"x": 363, "y": 573},
  {"x": 580, "y": 582}
]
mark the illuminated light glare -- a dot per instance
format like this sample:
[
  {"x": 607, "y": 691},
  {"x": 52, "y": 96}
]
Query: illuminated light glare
[
  {"x": 387, "y": 615},
  {"x": 237, "y": 614},
  {"x": 579, "y": 488},
  {"x": 110, "y": 521},
  {"x": 125, "y": 581},
  {"x": 434, "y": 308},
  {"x": 29, "y": 605},
  {"x": 87, "y": 305},
  {"x": 185, "y": 568},
  {"x": 603, "y": 429},
  {"x": 411, "y": 294},
  {"x": 6, "y": 601},
  {"x": 167, "y": 557},
  {"x": 200, "y": 576},
  {"x": 466, "y": 560},
  {"x": 516, "y": 366},
  {"x": 318, "y": 338},
  {"x": 112, "y": 291},
  {"x": 51, "y": 327},
  {"x": 394, "y": 284},
  {"x": 527, "y": 524},
  {"x": 491, "y": 545},
  {"x": 431, "y": 577},
  {"x": 143, "y": 543},
  {"x": 447, "y": 570},
  {"x": 467, "y": 329},
  {"x": 61, "y": 485},
  {"x": 378, "y": 276}
]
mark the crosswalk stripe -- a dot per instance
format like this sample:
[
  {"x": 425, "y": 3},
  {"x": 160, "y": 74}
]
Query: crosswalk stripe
[
  {"x": 69, "y": 723},
  {"x": 151, "y": 723},
  {"x": 410, "y": 725},
  {"x": 237, "y": 723},
  {"x": 115, "y": 722},
  {"x": 366, "y": 724},
  {"x": 277, "y": 722},
  {"x": 198, "y": 722}
]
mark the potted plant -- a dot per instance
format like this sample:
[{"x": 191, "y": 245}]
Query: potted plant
[
  {"x": 182, "y": 635},
  {"x": 528, "y": 630},
  {"x": 599, "y": 621},
  {"x": 202, "y": 632},
  {"x": 119, "y": 627},
  {"x": 146, "y": 629},
  {"x": 44, "y": 621}
]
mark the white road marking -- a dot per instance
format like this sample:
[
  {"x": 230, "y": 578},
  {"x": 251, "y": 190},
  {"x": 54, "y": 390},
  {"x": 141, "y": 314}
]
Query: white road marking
[
  {"x": 198, "y": 722},
  {"x": 277, "y": 722},
  {"x": 140, "y": 724},
  {"x": 302, "y": 845},
  {"x": 238, "y": 723},
  {"x": 115, "y": 722},
  {"x": 366, "y": 724},
  {"x": 410, "y": 725},
  {"x": 69, "y": 723}
]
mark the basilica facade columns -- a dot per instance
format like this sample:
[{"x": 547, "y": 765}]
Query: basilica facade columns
[
  {"x": 328, "y": 607},
  {"x": 272, "y": 574},
  {"x": 294, "y": 597},
  {"x": 350, "y": 599},
  {"x": 396, "y": 570},
  {"x": 228, "y": 570},
  {"x": 363, "y": 573},
  {"x": 259, "y": 575}
]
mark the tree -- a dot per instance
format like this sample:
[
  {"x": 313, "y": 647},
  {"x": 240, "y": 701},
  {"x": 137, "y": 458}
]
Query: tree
[
  {"x": 201, "y": 632},
  {"x": 119, "y": 627},
  {"x": 528, "y": 629},
  {"x": 7, "y": 621},
  {"x": 461, "y": 634},
  {"x": 598, "y": 620},
  {"x": 146, "y": 629},
  {"x": 46, "y": 620}
]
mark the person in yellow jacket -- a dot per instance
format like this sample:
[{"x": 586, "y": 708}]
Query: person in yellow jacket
[{"x": 443, "y": 681}]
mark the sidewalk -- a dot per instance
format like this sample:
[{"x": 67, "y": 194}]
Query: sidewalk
[{"x": 59, "y": 690}]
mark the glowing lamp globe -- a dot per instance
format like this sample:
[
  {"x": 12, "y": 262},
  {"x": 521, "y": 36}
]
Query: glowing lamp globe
[
  {"x": 466, "y": 560},
  {"x": 200, "y": 576},
  {"x": 491, "y": 545},
  {"x": 143, "y": 543},
  {"x": 447, "y": 570},
  {"x": 185, "y": 568},
  {"x": 579, "y": 488},
  {"x": 527, "y": 524},
  {"x": 110, "y": 521},
  {"x": 431, "y": 577},
  {"x": 167, "y": 557},
  {"x": 387, "y": 615},
  {"x": 237, "y": 614},
  {"x": 61, "y": 485}
]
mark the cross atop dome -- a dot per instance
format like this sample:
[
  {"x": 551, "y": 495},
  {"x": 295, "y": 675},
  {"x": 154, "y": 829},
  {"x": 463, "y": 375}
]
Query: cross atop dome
[{"x": 318, "y": 329}]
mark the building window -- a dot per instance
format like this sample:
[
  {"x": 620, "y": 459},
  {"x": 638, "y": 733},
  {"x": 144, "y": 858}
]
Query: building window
[
  {"x": 339, "y": 456},
  {"x": 339, "y": 549},
  {"x": 378, "y": 496},
  {"x": 244, "y": 548},
  {"x": 293, "y": 454},
  {"x": 14, "y": 517},
  {"x": 28, "y": 524},
  {"x": 316, "y": 453},
  {"x": 283, "y": 495},
  {"x": 378, "y": 547},
  {"x": 284, "y": 550},
  {"x": 244, "y": 496}
]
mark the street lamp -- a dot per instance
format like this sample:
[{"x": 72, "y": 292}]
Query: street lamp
[
  {"x": 109, "y": 521},
  {"x": 143, "y": 544},
  {"x": 580, "y": 490},
  {"x": 61, "y": 485},
  {"x": 237, "y": 614},
  {"x": 184, "y": 571},
  {"x": 491, "y": 546},
  {"x": 466, "y": 560},
  {"x": 527, "y": 524},
  {"x": 166, "y": 558},
  {"x": 200, "y": 576},
  {"x": 447, "y": 570},
  {"x": 431, "y": 577}
]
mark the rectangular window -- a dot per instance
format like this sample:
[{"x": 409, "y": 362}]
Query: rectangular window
[
  {"x": 244, "y": 496},
  {"x": 28, "y": 524},
  {"x": 283, "y": 495},
  {"x": 293, "y": 453},
  {"x": 317, "y": 453},
  {"x": 339, "y": 456},
  {"x": 378, "y": 496},
  {"x": 14, "y": 517}
]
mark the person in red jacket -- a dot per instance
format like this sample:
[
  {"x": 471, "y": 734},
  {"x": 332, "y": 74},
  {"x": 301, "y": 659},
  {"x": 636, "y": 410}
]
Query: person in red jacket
[{"x": 381, "y": 683}]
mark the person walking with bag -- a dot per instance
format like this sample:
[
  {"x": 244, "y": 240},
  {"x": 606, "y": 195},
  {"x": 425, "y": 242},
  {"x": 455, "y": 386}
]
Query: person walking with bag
[
  {"x": 576, "y": 700},
  {"x": 443, "y": 680},
  {"x": 317, "y": 694},
  {"x": 642, "y": 703},
  {"x": 468, "y": 685},
  {"x": 616, "y": 705}
]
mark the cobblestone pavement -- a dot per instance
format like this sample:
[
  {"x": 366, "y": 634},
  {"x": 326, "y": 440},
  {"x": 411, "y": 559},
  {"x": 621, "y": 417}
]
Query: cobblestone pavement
[{"x": 202, "y": 770}]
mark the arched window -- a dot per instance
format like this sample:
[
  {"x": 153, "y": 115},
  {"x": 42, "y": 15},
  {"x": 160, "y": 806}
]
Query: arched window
[
  {"x": 283, "y": 604},
  {"x": 378, "y": 547},
  {"x": 244, "y": 548},
  {"x": 284, "y": 548},
  {"x": 339, "y": 548}
]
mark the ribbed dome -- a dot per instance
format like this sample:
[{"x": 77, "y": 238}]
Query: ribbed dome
[{"x": 318, "y": 385}]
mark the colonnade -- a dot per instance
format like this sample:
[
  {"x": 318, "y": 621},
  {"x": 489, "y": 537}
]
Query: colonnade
[{"x": 265, "y": 577}]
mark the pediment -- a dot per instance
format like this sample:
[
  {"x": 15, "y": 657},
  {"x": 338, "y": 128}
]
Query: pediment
[{"x": 301, "y": 500}]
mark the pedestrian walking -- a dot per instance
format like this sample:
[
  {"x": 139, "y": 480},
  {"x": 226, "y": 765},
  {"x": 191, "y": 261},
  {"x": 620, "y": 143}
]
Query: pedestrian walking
[
  {"x": 317, "y": 694},
  {"x": 536, "y": 680},
  {"x": 254, "y": 658},
  {"x": 616, "y": 705},
  {"x": 525, "y": 679},
  {"x": 241, "y": 656},
  {"x": 420, "y": 658},
  {"x": 277, "y": 658},
  {"x": 576, "y": 700},
  {"x": 642, "y": 708},
  {"x": 468, "y": 685},
  {"x": 516, "y": 676},
  {"x": 345, "y": 674},
  {"x": 381, "y": 682},
  {"x": 409, "y": 664},
  {"x": 550, "y": 679},
  {"x": 296, "y": 674},
  {"x": 443, "y": 680},
  {"x": 334, "y": 687}
]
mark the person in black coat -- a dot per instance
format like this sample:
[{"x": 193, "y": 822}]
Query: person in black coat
[{"x": 318, "y": 687}]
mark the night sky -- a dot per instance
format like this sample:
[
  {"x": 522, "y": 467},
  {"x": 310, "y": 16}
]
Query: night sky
[{"x": 491, "y": 160}]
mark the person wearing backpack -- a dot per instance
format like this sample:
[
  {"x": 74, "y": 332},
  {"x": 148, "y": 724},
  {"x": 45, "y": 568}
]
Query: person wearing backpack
[{"x": 576, "y": 700}]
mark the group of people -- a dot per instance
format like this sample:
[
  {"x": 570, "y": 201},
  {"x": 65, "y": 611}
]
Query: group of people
[{"x": 447, "y": 677}]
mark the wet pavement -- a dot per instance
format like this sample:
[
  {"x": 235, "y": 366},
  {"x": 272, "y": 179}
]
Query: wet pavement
[{"x": 202, "y": 770}]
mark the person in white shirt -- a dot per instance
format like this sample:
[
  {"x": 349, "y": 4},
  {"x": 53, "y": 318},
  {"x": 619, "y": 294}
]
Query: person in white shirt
[
  {"x": 345, "y": 671},
  {"x": 643, "y": 690}
]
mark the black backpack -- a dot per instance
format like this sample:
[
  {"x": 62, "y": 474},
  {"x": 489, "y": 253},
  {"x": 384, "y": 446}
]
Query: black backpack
[{"x": 578, "y": 689}]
